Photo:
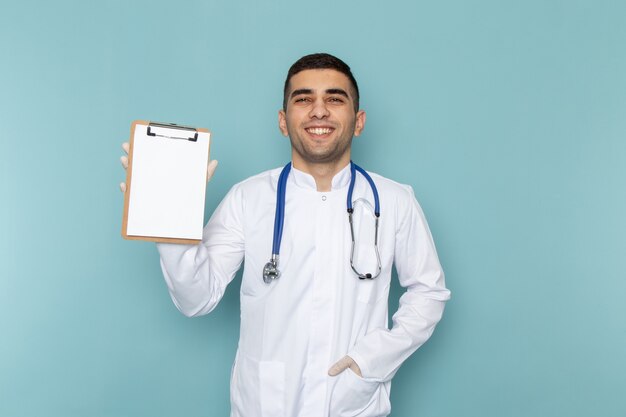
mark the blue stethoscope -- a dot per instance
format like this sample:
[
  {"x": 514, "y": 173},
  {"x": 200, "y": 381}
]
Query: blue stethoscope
[{"x": 270, "y": 270}]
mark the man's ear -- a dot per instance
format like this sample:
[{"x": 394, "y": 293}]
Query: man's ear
[
  {"x": 359, "y": 124},
  {"x": 282, "y": 122}
]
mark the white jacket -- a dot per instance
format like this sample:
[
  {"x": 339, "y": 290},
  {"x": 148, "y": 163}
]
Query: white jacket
[{"x": 295, "y": 328}]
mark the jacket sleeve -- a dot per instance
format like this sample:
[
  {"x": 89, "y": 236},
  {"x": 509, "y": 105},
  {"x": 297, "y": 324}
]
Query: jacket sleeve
[
  {"x": 380, "y": 353},
  {"x": 197, "y": 275}
]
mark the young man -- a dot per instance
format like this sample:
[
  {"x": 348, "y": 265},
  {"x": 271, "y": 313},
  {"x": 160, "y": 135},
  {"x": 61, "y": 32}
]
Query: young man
[{"x": 314, "y": 341}]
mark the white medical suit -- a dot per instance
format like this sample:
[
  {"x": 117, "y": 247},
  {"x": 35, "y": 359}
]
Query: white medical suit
[{"x": 295, "y": 328}]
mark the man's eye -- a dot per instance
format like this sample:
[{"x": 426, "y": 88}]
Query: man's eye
[
  {"x": 302, "y": 100},
  {"x": 335, "y": 100}
]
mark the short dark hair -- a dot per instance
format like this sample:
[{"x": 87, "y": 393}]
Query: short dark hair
[{"x": 321, "y": 61}]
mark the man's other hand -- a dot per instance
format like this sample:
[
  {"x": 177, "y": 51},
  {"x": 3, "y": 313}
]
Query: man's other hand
[
  {"x": 343, "y": 364},
  {"x": 124, "y": 160}
]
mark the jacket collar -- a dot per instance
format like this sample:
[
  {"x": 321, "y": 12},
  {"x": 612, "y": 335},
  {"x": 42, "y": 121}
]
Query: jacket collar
[{"x": 304, "y": 180}]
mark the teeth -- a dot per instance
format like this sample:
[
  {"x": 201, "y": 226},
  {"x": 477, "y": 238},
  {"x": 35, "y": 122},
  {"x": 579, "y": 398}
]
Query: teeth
[{"x": 319, "y": 130}]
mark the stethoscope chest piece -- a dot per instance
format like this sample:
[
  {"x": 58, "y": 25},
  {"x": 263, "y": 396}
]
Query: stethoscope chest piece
[{"x": 270, "y": 270}]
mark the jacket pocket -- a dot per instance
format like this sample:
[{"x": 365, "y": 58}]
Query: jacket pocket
[
  {"x": 272, "y": 388},
  {"x": 371, "y": 291},
  {"x": 356, "y": 396},
  {"x": 258, "y": 388}
]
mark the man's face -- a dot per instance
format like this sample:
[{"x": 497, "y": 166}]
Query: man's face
[{"x": 320, "y": 118}]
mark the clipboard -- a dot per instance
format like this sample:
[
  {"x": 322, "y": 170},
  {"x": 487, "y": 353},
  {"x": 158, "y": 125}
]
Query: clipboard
[{"x": 165, "y": 183}]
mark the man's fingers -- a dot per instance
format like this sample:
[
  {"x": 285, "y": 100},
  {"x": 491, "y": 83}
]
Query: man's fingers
[
  {"x": 354, "y": 367},
  {"x": 211, "y": 170},
  {"x": 341, "y": 365},
  {"x": 338, "y": 368},
  {"x": 124, "y": 161}
]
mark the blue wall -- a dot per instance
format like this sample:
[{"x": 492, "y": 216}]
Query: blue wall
[{"x": 507, "y": 118}]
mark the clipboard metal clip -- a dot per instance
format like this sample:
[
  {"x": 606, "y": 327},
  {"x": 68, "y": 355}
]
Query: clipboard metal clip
[{"x": 172, "y": 126}]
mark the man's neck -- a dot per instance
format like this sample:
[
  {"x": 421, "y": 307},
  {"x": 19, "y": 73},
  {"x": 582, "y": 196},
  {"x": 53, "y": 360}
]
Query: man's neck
[{"x": 322, "y": 172}]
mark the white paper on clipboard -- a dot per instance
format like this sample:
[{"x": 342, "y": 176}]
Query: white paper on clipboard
[{"x": 167, "y": 183}]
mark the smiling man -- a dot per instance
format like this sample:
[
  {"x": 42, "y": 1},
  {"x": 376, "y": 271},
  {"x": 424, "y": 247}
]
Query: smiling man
[{"x": 314, "y": 337}]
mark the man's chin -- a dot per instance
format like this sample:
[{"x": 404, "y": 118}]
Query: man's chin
[{"x": 322, "y": 158}]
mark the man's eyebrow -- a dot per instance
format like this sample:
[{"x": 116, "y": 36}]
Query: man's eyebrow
[
  {"x": 301, "y": 91},
  {"x": 337, "y": 91}
]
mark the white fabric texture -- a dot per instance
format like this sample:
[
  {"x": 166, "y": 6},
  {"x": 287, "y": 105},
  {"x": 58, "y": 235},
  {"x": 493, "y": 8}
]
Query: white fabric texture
[{"x": 295, "y": 328}]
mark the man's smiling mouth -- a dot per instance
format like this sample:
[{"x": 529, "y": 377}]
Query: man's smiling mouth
[{"x": 319, "y": 131}]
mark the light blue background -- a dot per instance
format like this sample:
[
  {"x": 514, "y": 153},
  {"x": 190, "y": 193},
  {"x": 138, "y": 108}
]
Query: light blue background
[{"x": 507, "y": 118}]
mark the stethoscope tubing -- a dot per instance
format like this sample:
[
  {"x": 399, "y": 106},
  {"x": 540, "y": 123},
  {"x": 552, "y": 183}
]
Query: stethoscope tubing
[
  {"x": 353, "y": 168},
  {"x": 279, "y": 218}
]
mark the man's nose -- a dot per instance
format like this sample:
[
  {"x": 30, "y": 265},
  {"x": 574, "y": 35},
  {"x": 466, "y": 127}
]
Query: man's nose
[{"x": 319, "y": 109}]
